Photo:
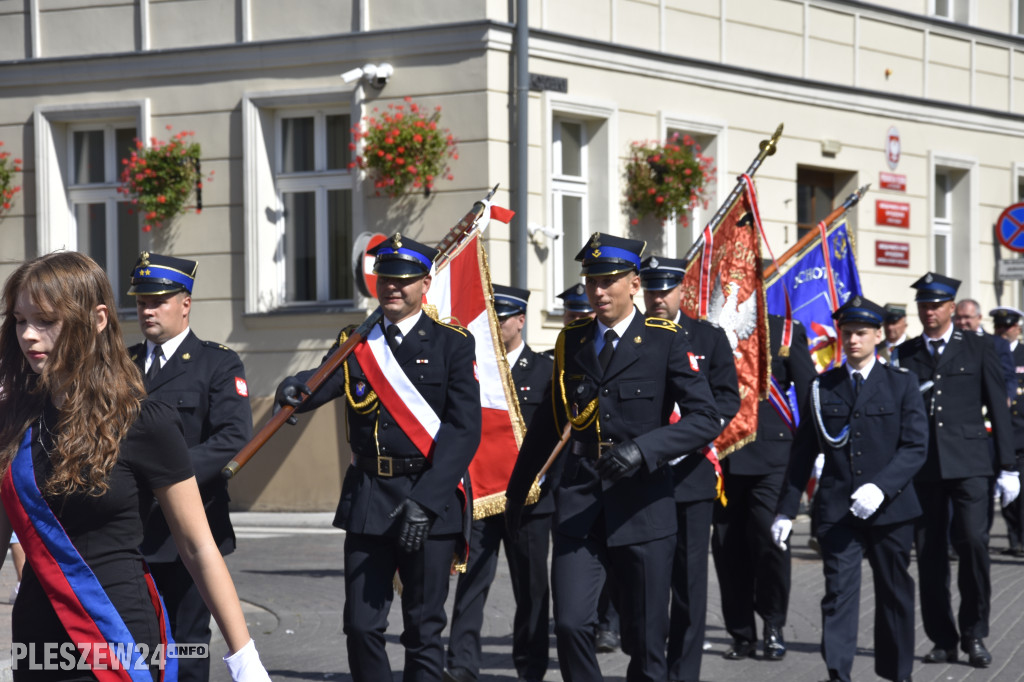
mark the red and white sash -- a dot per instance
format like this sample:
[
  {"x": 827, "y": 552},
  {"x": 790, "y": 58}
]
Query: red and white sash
[{"x": 397, "y": 393}]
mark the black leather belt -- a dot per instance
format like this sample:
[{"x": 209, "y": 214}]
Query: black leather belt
[
  {"x": 382, "y": 465},
  {"x": 590, "y": 450}
]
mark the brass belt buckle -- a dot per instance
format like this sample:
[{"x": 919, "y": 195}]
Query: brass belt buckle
[
  {"x": 601, "y": 447},
  {"x": 384, "y": 466}
]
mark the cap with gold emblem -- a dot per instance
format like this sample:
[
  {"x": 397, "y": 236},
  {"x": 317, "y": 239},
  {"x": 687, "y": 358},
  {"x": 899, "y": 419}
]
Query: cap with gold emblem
[
  {"x": 859, "y": 310},
  {"x": 1005, "y": 316},
  {"x": 155, "y": 274},
  {"x": 935, "y": 288},
  {"x": 660, "y": 274},
  {"x": 575, "y": 299},
  {"x": 402, "y": 257},
  {"x": 605, "y": 254}
]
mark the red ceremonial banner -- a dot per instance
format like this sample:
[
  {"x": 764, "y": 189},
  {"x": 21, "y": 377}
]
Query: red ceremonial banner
[{"x": 724, "y": 285}]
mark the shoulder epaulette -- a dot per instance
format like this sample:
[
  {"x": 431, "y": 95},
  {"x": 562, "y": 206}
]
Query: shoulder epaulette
[
  {"x": 581, "y": 322},
  {"x": 662, "y": 323},
  {"x": 214, "y": 344},
  {"x": 461, "y": 330}
]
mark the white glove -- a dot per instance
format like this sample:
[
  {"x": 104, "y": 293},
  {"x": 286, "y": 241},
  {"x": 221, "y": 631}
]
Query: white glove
[
  {"x": 819, "y": 464},
  {"x": 244, "y": 665},
  {"x": 781, "y": 528},
  {"x": 866, "y": 500},
  {"x": 1008, "y": 486}
]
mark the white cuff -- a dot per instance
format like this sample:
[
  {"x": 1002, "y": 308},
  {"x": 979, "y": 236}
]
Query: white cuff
[{"x": 244, "y": 665}]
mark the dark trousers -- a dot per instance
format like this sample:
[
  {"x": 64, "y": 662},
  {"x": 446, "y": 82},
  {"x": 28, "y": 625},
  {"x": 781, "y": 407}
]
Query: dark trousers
[
  {"x": 370, "y": 565},
  {"x": 642, "y": 576},
  {"x": 887, "y": 549},
  {"x": 964, "y": 501},
  {"x": 688, "y": 615},
  {"x": 188, "y": 615},
  {"x": 753, "y": 574},
  {"x": 528, "y": 569}
]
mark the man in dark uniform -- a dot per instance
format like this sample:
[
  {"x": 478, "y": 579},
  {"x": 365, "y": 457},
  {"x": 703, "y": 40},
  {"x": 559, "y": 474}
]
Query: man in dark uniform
[
  {"x": 1006, "y": 322},
  {"x": 967, "y": 317},
  {"x": 206, "y": 382},
  {"x": 754, "y": 575},
  {"x": 696, "y": 475},
  {"x": 959, "y": 373},
  {"x": 895, "y": 328},
  {"x": 414, "y": 424},
  {"x": 575, "y": 304},
  {"x": 869, "y": 420},
  {"x": 528, "y": 554},
  {"x": 617, "y": 380}
]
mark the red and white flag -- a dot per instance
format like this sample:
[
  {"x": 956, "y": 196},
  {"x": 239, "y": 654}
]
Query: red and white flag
[{"x": 462, "y": 294}]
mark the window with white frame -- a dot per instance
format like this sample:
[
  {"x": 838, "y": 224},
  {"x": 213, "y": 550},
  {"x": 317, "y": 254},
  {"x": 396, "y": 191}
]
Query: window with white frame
[
  {"x": 569, "y": 196},
  {"x": 954, "y": 10},
  {"x": 942, "y": 222},
  {"x": 1018, "y": 16},
  {"x": 300, "y": 203},
  {"x": 708, "y": 138}
]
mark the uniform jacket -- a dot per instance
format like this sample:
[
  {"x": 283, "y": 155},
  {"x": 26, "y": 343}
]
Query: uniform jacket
[
  {"x": 968, "y": 376},
  {"x": 439, "y": 360},
  {"x": 1017, "y": 405},
  {"x": 695, "y": 477},
  {"x": 649, "y": 373},
  {"x": 531, "y": 376},
  {"x": 205, "y": 381},
  {"x": 888, "y": 440},
  {"x": 770, "y": 452}
]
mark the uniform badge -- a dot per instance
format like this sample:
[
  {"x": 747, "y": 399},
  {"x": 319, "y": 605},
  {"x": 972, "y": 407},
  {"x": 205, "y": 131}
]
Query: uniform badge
[
  {"x": 186, "y": 356},
  {"x": 693, "y": 362},
  {"x": 523, "y": 362},
  {"x": 928, "y": 278},
  {"x": 856, "y": 301},
  {"x": 360, "y": 389},
  {"x": 524, "y": 388},
  {"x": 396, "y": 241},
  {"x": 476, "y": 374},
  {"x": 422, "y": 361},
  {"x": 654, "y": 263},
  {"x": 595, "y": 240},
  {"x": 637, "y": 339},
  {"x": 579, "y": 290},
  {"x": 241, "y": 388}
]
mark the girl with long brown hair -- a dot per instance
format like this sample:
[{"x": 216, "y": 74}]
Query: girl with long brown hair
[{"x": 82, "y": 453}]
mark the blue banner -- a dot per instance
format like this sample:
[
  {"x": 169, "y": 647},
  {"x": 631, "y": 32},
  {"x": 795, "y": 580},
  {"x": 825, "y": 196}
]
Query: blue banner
[{"x": 807, "y": 281}]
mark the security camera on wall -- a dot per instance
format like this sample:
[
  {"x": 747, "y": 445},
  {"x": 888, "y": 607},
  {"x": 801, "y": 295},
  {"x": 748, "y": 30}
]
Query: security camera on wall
[{"x": 375, "y": 75}]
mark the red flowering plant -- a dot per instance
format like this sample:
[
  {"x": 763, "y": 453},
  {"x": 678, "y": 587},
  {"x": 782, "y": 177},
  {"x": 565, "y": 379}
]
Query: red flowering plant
[
  {"x": 666, "y": 179},
  {"x": 404, "y": 147},
  {"x": 163, "y": 178},
  {"x": 8, "y": 167}
]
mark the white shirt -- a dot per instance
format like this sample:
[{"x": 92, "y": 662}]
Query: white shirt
[
  {"x": 864, "y": 372},
  {"x": 405, "y": 326},
  {"x": 619, "y": 329},
  {"x": 514, "y": 354},
  {"x": 945, "y": 340},
  {"x": 167, "y": 349}
]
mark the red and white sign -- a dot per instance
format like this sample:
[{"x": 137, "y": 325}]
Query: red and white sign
[
  {"x": 370, "y": 279},
  {"x": 892, "y": 213},
  {"x": 892, "y": 148},
  {"x": 894, "y": 181},
  {"x": 893, "y": 254}
]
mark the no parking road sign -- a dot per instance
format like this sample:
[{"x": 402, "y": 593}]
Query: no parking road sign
[{"x": 1010, "y": 227}]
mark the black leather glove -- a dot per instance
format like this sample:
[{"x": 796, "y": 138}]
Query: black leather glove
[
  {"x": 513, "y": 518},
  {"x": 619, "y": 460},
  {"x": 416, "y": 522},
  {"x": 289, "y": 392}
]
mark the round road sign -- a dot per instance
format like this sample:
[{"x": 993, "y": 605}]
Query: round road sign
[{"x": 1010, "y": 227}]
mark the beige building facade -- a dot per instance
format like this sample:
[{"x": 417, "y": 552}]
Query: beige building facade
[{"x": 929, "y": 92}]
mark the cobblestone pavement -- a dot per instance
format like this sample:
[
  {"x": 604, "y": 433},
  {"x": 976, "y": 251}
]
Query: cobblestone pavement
[{"x": 288, "y": 570}]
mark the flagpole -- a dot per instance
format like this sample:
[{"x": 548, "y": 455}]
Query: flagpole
[
  {"x": 831, "y": 218},
  {"x": 452, "y": 243},
  {"x": 767, "y": 148}
]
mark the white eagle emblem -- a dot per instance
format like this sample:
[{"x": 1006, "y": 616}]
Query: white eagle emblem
[{"x": 737, "y": 319}]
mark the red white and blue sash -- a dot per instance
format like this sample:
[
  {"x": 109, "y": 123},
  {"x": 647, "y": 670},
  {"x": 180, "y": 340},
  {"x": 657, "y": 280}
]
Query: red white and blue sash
[
  {"x": 777, "y": 397},
  {"x": 397, "y": 394},
  {"x": 76, "y": 594}
]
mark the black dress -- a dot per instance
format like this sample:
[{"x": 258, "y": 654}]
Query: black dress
[{"x": 107, "y": 531}]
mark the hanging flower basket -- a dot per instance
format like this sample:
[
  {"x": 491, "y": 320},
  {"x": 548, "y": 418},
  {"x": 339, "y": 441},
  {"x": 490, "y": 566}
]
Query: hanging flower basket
[
  {"x": 163, "y": 179},
  {"x": 8, "y": 167},
  {"x": 404, "y": 149},
  {"x": 667, "y": 179}
]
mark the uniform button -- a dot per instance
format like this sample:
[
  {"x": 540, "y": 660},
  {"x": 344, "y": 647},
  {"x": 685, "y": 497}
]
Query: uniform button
[
  {"x": 383, "y": 448},
  {"x": 939, "y": 408},
  {"x": 857, "y": 454},
  {"x": 638, "y": 391},
  {"x": 857, "y": 434},
  {"x": 939, "y": 424},
  {"x": 939, "y": 392},
  {"x": 384, "y": 425},
  {"x": 856, "y": 414},
  {"x": 781, "y": 434},
  {"x": 858, "y": 472},
  {"x": 607, "y": 415},
  {"x": 938, "y": 376},
  {"x": 605, "y": 392}
]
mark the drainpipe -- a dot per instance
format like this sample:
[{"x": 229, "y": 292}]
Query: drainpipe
[{"x": 520, "y": 237}]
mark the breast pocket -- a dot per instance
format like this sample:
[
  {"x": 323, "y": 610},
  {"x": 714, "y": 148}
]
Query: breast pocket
[
  {"x": 637, "y": 401},
  {"x": 879, "y": 409},
  {"x": 184, "y": 401},
  {"x": 835, "y": 416}
]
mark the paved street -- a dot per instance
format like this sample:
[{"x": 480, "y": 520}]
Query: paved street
[{"x": 288, "y": 572}]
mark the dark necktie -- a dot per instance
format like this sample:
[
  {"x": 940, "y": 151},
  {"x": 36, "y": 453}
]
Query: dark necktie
[
  {"x": 858, "y": 383},
  {"x": 154, "y": 366},
  {"x": 937, "y": 346},
  {"x": 393, "y": 333},
  {"x": 609, "y": 347}
]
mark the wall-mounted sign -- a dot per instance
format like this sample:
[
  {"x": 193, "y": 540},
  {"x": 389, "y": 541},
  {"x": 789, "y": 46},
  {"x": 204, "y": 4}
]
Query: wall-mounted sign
[
  {"x": 892, "y": 254},
  {"x": 540, "y": 83},
  {"x": 1010, "y": 227},
  {"x": 894, "y": 181},
  {"x": 892, "y": 213},
  {"x": 1010, "y": 269},
  {"x": 892, "y": 148}
]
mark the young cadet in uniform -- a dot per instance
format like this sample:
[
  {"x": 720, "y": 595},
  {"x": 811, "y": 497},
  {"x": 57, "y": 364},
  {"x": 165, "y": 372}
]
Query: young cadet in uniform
[
  {"x": 697, "y": 475},
  {"x": 400, "y": 502},
  {"x": 528, "y": 554},
  {"x": 617, "y": 380},
  {"x": 753, "y": 575},
  {"x": 205, "y": 381},
  {"x": 868, "y": 419},
  {"x": 959, "y": 373},
  {"x": 1006, "y": 323}
]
